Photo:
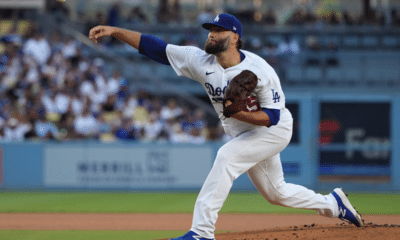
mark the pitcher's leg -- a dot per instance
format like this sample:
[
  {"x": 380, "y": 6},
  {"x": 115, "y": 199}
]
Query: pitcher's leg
[
  {"x": 267, "y": 177},
  {"x": 214, "y": 192},
  {"x": 232, "y": 160}
]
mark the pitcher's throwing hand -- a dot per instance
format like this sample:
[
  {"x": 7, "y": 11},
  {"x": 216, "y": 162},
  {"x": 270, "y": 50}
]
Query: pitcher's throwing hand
[{"x": 99, "y": 32}]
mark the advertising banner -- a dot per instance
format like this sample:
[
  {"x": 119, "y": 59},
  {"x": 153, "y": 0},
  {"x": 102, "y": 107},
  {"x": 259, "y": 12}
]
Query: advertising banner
[
  {"x": 355, "y": 138},
  {"x": 120, "y": 167}
]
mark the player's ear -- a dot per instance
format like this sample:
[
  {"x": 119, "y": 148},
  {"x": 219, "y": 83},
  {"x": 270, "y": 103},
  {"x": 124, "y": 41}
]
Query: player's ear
[{"x": 235, "y": 38}]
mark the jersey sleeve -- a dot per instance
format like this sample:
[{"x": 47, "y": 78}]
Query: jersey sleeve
[
  {"x": 154, "y": 48},
  {"x": 270, "y": 94},
  {"x": 182, "y": 58}
]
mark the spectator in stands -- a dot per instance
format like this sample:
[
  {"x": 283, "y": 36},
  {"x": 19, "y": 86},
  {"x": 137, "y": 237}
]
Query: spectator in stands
[
  {"x": 269, "y": 53},
  {"x": 206, "y": 16},
  {"x": 177, "y": 135},
  {"x": 136, "y": 15},
  {"x": 86, "y": 87},
  {"x": 269, "y": 17},
  {"x": 114, "y": 15},
  {"x": 15, "y": 131},
  {"x": 100, "y": 18},
  {"x": 33, "y": 104},
  {"x": 76, "y": 104},
  {"x": 58, "y": 9},
  {"x": 63, "y": 92},
  {"x": 288, "y": 46},
  {"x": 129, "y": 105},
  {"x": 67, "y": 127},
  {"x": 199, "y": 119},
  {"x": 163, "y": 14},
  {"x": 69, "y": 48},
  {"x": 98, "y": 97},
  {"x": 332, "y": 19},
  {"x": 126, "y": 131},
  {"x": 313, "y": 43},
  {"x": 347, "y": 19},
  {"x": 107, "y": 131},
  {"x": 51, "y": 104},
  {"x": 144, "y": 99},
  {"x": 196, "y": 136},
  {"x": 86, "y": 125},
  {"x": 186, "y": 119},
  {"x": 288, "y": 51},
  {"x": 12, "y": 36},
  {"x": 297, "y": 17},
  {"x": 38, "y": 47},
  {"x": 379, "y": 18},
  {"x": 176, "y": 14},
  {"x": 395, "y": 17},
  {"x": 171, "y": 110},
  {"x": 310, "y": 18},
  {"x": 45, "y": 130},
  {"x": 332, "y": 60},
  {"x": 153, "y": 128},
  {"x": 255, "y": 44},
  {"x": 113, "y": 84}
]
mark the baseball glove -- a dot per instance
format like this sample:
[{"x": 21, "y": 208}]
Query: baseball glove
[{"x": 238, "y": 91}]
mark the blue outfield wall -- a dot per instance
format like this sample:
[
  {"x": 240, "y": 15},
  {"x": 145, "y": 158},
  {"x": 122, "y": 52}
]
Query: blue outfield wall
[{"x": 336, "y": 143}]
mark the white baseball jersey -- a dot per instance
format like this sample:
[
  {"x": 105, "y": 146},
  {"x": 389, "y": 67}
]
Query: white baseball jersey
[
  {"x": 194, "y": 63},
  {"x": 255, "y": 150}
]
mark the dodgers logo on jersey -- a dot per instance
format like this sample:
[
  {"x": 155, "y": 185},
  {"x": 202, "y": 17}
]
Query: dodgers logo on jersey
[{"x": 216, "y": 93}]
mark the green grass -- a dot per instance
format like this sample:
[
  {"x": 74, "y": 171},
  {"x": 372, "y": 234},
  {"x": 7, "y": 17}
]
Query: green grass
[
  {"x": 148, "y": 202},
  {"x": 86, "y": 235}
]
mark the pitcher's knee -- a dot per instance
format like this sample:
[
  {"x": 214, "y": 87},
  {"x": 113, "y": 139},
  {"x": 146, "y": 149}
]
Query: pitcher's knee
[
  {"x": 276, "y": 195},
  {"x": 224, "y": 156},
  {"x": 225, "y": 162}
]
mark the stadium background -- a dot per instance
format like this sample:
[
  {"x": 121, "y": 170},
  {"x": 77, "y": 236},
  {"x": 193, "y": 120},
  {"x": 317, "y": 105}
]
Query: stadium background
[{"x": 87, "y": 118}]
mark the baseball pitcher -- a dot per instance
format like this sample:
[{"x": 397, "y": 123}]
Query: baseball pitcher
[{"x": 247, "y": 95}]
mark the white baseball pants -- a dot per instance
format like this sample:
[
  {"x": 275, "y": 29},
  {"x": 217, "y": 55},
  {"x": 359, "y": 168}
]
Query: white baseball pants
[{"x": 255, "y": 152}]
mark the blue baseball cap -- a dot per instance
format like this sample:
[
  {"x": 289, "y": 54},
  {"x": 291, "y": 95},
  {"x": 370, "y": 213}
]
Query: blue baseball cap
[{"x": 226, "y": 21}]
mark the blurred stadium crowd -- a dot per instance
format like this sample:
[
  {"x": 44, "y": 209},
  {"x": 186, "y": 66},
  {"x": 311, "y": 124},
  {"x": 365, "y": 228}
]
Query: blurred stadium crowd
[
  {"x": 328, "y": 14},
  {"x": 51, "y": 90}
]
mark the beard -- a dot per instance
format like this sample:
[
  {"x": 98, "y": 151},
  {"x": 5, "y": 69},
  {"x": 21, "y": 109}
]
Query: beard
[{"x": 218, "y": 46}]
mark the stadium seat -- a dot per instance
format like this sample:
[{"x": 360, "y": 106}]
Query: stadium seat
[
  {"x": 390, "y": 41},
  {"x": 334, "y": 74},
  {"x": 372, "y": 73},
  {"x": 326, "y": 40},
  {"x": 351, "y": 41},
  {"x": 161, "y": 70},
  {"x": 313, "y": 74},
  {"x": 145, "y": 69},
  {"x": 275, "y": 39},
  {"x": 175, "y": 38},
  {"x": 390, "y": 69},
  {"x": 351, "y": 66},
  {"x": 294, "y": 74},
  {"x": 370, "y": 41}
]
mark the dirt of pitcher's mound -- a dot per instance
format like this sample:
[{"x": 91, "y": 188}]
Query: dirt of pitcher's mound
[{"x": 233, "y": 226}]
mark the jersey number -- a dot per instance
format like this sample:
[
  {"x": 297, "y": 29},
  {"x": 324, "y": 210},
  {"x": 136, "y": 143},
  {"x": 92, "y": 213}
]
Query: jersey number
[{"x": 275, "y": 96}]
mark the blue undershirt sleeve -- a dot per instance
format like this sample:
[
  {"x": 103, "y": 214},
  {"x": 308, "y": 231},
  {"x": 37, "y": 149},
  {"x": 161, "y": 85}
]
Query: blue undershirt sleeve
[
  {"x": 273, "y": 114},
  {"x": 154, "y": 48}
]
